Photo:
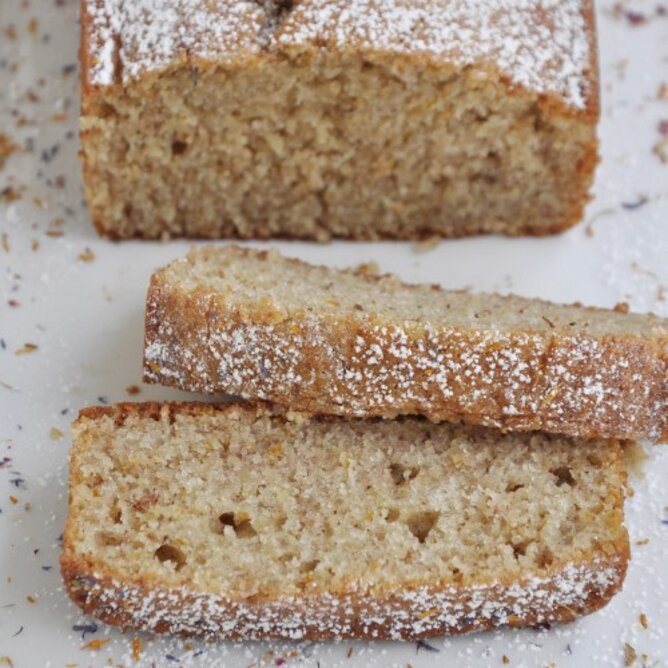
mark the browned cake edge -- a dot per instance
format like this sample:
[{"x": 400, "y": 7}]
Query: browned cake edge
[
  {"x": 563, "y": 593},
  {"x": 91, "y": 96},
  {"x": 554, "y": 381},
  {"x": 571, "y": 591}
]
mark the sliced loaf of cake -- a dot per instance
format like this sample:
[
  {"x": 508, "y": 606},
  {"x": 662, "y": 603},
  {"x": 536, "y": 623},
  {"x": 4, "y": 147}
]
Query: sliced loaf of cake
[
  {"x": 242, "y": 521},
  {"x": 254, "y": 324}
]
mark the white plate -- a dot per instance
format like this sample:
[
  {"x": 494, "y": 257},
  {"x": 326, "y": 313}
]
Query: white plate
[{"x": 86, "y": 319}]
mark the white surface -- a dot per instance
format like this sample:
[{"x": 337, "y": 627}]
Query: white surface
[{"x": 86, "y": 319}]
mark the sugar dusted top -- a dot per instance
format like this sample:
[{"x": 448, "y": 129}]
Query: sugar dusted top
[
  {"x": 129, "y": 37},
  {"x": 542, "y": 45}
]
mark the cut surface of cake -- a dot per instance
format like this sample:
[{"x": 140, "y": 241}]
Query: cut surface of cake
[
  {"x": 360, "y": 119},
  {"x": 243, "y": 521}
]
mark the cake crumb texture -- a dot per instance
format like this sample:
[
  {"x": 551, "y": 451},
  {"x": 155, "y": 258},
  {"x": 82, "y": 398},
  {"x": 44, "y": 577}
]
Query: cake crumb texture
[
  {"x": 402, "y": 119},
  {"x": 250, "y": 522}
]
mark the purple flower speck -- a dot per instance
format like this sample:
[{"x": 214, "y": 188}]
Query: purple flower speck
[
  {"x": 85, "y": 628},
  {"x": 421, "y": 644}
]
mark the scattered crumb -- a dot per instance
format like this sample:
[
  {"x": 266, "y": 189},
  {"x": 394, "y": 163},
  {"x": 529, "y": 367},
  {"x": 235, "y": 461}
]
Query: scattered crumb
[
  {"x": 621, "y": 307},
  {"x": 368, "y": 269},
  {"x": 55, "y": 434},
  {"x": 426, "y": 245},
  {"x": 11, "y": 194},
  {"x": 7, "y": 147},
  {"x": 662, "y": 93},
  {"x": 642, "y": 541},
  {"x": 661, "y": 150},
  {"x": 31, "y": 598},
  {"x": 6, "y": 661},
  {"x": 133, "y": 390},
  {"x": 5, "y": 242},
  {"x": 630, "y": 655},
  {"x": 643, "y": 620},
  {"x": 27, "y": 348},
  {"x": 505, "y": 659},
  {"x": 96, "y": 644},
  {"x": 86, "y": 255},
  {"x": 136, "y": 649}
]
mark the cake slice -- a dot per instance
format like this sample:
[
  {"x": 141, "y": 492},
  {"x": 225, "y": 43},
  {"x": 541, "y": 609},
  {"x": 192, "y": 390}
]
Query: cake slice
[
  {"x": 362, "y": 119},
  {"x": 254, "y": 324},
  {"x": 242, "y": 521}
]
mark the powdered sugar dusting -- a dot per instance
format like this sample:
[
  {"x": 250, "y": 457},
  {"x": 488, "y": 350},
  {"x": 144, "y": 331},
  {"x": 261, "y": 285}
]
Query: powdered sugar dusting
[
  {"x": 151, "y": 34},
  {"x": 356, "y": 364},
  {"x": 524, "y": 382},
  {"x": 406, "y": 614},
  {"x": 542, "y": 45}
]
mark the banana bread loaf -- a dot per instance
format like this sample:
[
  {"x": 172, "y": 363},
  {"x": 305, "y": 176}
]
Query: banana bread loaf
[{"x": 362, "y": 119}]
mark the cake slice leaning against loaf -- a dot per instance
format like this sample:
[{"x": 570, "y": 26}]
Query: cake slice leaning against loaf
[
  {"x": 243, "y": 521},
  {"x": 261, "y": 326}
]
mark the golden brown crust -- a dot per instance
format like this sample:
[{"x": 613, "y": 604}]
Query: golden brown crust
[
  {"x": 362, "y": 235},
  {"x": 155, "y": 410},
  {"x": 590, "y": 387},
  {"x": 356, "y": 616}
]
